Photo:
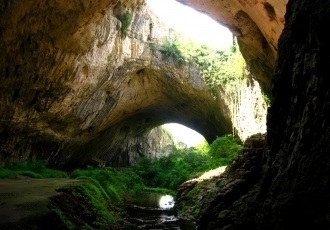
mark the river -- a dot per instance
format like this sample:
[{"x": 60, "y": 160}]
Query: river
[{"x": 155, "y": 211}]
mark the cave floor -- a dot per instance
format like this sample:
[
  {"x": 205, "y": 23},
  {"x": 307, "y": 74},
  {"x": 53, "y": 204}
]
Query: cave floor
[{"x": 24, "y": 197}]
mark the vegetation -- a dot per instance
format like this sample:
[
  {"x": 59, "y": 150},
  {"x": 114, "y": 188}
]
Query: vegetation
[
  {"x": 104, "y": 190},
  {"x": 266, "y": 99},
  {"x": 225, "y": 147},
  {"x": 149, "y": 174},
  {"x": 187, "y": 163},
  {"x": 219, "y": 68},
  {"x": 33, "y": 169},
  {"x": 171, "y": 50},
  {"x": 125, "y": 20},
  {"x": 115, "y": 183}
]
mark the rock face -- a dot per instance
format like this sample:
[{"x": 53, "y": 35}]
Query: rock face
[
  {"x": 93, "y": 87},
  {"x": 76, "y": 83},
  {"x": 246, "y": 109},
  {"x": 290, "y": 188},
  {"x": 257, "y": 24},
  {"x": 212, "y": 200}
]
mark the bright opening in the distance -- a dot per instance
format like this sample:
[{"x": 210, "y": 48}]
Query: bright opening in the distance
[
  {"x": 199, "y": 27},
  {"x": 181, "y": 133}
]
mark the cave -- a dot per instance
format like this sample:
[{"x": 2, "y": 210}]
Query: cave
[{"x": 64, "y": 67}]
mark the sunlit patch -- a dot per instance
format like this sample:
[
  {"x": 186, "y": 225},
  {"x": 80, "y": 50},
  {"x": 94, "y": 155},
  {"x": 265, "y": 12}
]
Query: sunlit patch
[
  {"x": 166, "y": 202},
  {"x": 181, "y": 133},
  {"x": 191, "y": 23},
  {"x": 212, "y": 173}
]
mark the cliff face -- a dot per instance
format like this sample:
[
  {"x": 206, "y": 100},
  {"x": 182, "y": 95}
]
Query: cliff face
[
  {"x": 284, "y": 185},
  {"x": 82, "y": 80},
  {"x": 257, "y": 24},
  {"x": 76, "y": 84}
]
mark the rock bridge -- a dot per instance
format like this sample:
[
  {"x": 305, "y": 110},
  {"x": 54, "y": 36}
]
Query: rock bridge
[{"x": 74, "y": 85}]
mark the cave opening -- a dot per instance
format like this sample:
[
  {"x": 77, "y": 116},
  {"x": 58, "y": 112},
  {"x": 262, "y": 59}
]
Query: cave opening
[
  {"x": 192, "y": 24},
  {"x": 183, "y": 135}
]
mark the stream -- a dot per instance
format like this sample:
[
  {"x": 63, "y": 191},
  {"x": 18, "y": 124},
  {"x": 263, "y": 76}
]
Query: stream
[{"x": 155, "y": 211}]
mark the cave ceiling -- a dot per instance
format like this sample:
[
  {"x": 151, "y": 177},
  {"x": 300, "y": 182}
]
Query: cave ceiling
[{"x": 69, "y": 77}]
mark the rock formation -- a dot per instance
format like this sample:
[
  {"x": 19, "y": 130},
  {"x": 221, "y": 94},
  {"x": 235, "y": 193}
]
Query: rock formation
[
  {"x": 257, "y": 24},
  {"x": 83, "y": 80},
  {"x": 77, "y": 83},
  {"x": 290, "y": 188}
]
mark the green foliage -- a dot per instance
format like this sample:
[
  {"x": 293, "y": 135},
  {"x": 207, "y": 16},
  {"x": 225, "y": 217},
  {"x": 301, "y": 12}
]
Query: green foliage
[
  {"x": 224, "y": 68},
  {"x": 34, "y": 169},
  {"x": 115, "y": 183},
  {"x": 125, "y": 20},
  {"x": 187, "y": 163},
  {"x": 184, "y": 164},
  {"x": 225, "y": 147},
  {"x": 266, "y": 98},
  {"x": 107, "y": 187},
  {"x": 99, "y": 200},
  {"x": 163, "y": 191},
  {"x": 171, "y": 50},
  {"x": 65, "y": 219}
]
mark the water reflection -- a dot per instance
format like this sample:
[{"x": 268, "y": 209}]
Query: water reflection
[
  {"x": 155, "y": 211},
  {"x": 166, "y": 202}
]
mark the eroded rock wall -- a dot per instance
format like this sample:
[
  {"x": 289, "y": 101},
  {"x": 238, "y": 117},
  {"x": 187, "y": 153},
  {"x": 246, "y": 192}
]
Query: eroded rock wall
[
  {"x": 257, "y": 24},
  {"x": 288, "y": 187},
  {"x": 246, "y": 108},
  {"x": 77, "y": 83}
]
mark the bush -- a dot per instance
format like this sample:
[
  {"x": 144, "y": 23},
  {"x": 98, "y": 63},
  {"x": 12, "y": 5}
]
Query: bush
[
  {"x": 182, "y": 165},
  {"x": 225, "y": 147},
  {"x": 116, "y": 183},
  {"x": 125, "y": 20},
  {"x": 171, "y": 50}
]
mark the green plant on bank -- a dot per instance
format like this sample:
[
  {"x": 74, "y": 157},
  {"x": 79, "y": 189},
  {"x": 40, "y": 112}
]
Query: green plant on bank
[
  {"x": 116, "y": 183},
  {"x": 105, "y": 189},
  {"x": 99, "y": 200},
  {"x": 33, "y": 169},
  {"x": 171, "y": 50},
  {"x": 125, "y": 19}
]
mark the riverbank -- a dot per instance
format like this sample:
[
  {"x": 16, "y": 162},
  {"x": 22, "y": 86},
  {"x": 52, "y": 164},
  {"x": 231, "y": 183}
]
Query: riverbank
[
  {"x": 55, "y": 203},
  {"x": 33, "y": 196}
]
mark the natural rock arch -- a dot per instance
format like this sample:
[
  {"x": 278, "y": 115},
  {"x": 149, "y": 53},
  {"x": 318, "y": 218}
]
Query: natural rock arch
[
  {"x": 72, "y": 80},
  {"x": 45, "y": 47}
]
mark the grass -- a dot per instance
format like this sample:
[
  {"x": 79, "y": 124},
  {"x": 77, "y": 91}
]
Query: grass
[
  {"x": 105, "y": 190},
  {"x": 99, "y": 200},
  {"x": 33, "y": 169}
]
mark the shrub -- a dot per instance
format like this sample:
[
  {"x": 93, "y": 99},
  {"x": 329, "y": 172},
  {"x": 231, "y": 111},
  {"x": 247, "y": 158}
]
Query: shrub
[
  {"x": 171, "y": 50},
  {"x": 182, "y": 165},
  {"x": 125, "y": 20},
  {"x": 225, "y": 147}
]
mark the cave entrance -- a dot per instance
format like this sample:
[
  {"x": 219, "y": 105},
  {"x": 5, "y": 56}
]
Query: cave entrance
[
  {"x": 184, "y": 136},
  {"x": 192, "y": 24}
]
